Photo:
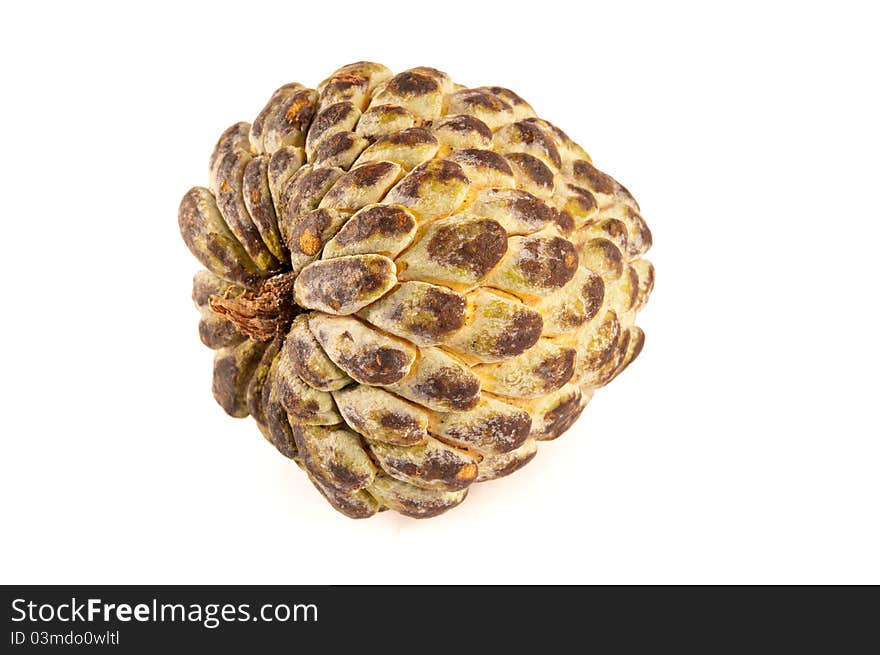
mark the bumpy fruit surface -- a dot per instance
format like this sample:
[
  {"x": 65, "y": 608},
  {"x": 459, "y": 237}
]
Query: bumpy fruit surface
[{"x": 411, "y": 283}]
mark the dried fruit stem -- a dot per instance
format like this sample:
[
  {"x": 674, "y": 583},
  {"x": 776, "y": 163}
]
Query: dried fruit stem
[{"x": 262, "y": 314}]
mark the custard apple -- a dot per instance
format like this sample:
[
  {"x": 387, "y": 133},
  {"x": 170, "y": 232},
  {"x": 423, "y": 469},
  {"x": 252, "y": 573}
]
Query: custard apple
[{"x": 411, "y": 283}]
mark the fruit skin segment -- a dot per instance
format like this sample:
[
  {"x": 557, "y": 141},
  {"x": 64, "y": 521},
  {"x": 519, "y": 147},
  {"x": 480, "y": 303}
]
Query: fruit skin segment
[{"x": 409, "y": 284}]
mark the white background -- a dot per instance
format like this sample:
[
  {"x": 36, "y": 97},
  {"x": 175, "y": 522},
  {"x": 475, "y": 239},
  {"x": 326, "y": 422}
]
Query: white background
[{"x": 742, "y": 447}]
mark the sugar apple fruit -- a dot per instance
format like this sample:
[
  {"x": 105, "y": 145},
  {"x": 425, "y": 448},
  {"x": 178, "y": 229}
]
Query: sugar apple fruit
[{"x": 411, "y": 283}]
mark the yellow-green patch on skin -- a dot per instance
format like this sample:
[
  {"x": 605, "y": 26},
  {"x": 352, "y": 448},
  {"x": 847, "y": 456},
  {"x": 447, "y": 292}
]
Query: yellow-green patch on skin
[
  {"x": 413, "y": 501},
  {"x": 432, "y": 190},
  {"x": 439, "y": 382},
  {"x": 595, "y": 343},
  {"x": 543, "y": 368},
  {"x": 380, "y": 120},
  {"x": 352, "y": 83},
  {"x": 381, "y": 416},
  {"x": 492, "y": 426},
  {"x": 362, "y": 185},
  {"x": 258, "y": 128},
  {"x": 566, "y": 309},
  {"x": 495, "y": 466},
  {"x": 487, "y": 107},
  {"x": 409, "y": 148},
  {"x": 411, "y": 91},
  {"x": 233, "y": 368},
  {"x": 381, "y": 229},
  {"x": 309, "y": 360},
  {"x": 458, "y": 252},
  {"x": 462, "y": 132},
  {"x": 334, "y": 456},
  {"x": 430, "y": 464},
  {"x": 303, "y": 403},
  {"x": 209, "y": 238},
  {"x": 366, "y": 355},
  {"x": 283, "y": 163},
  {"x": 422, "y": 313},
  {"x": 344, "y": 285},
  {"x": 497, "y": 328},
  {"x": 340, "y": 117}
]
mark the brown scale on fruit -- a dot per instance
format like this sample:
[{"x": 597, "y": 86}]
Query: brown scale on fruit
[
  {"x": 289, "y": 119},
  {"x": 458, "y": 252},
  {"x": 363, "y": 185},
  {"x": 521, "y": 109},
  {"x": 484, "y": 106},
  {"x": 308, "y": 359},
  {"x": 381, "y": 416},
  {"x": 344, "y": 285},
  {"x": 574, "y": 304},
  {"x": 278, "y": 427},
  {"x": 302, "y": 403},
  {"x": 260, "y": 205},
  {"x": 352, "y": 83},
  {"x": 283, "y": 164},
  {"x": 431, "y": 464},
  {"x": 258, "y": 129},
  {"x": 383, "y": 120},
  {"x": 228, "y": 191},
  {"x": 491, "y": 427},
  {"x": 433, "y": 189},
  {"x": 496, "y": 466},
  {"x": 439, "y": 382},
  {"x": 381, "y": 229},
  {"x": 526, "y": 137},
  {"x": 341, "y": 117},
  {"x": 425, "y": 314},
  {"x": 418, "y": 92},
  {"x": 411, "y": 284},
  {"x": 307, "y": 234},
  {"x": 233, "y": 368},
  {"x": 536, "y": 265},
  {"x": 532, "y": 174},
  {"x": 302, "y": 194},
  {"x": 462, "y": 132},
  {"x": 498, "y": 327},
  {"x": 254, "y": 394},
  {"x": 409, "y": 148},
  {"x": 518, "y": 212},
  {"x": 365, "y": 354},
  {"x": 484, "y": 167},
  {"x": 340, "y": 150}
]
